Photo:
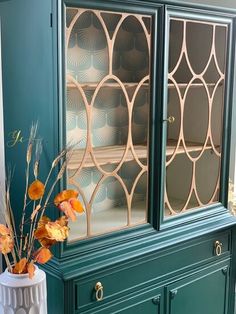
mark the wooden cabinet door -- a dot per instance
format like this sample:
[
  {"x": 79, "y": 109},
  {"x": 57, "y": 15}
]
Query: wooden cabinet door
[
  {"x": 205, "y": 292},
  {"x": 195, "y": 111}
]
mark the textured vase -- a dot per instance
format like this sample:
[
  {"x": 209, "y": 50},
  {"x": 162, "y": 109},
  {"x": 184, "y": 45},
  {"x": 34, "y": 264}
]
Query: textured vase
[{"x": 21, "y": 295}]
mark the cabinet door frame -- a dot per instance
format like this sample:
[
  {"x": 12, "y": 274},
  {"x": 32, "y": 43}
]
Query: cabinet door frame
[
  {"x": 157, "y": 12},
  {"x": 171, "y": 290},
  {"x": 219, "y": 208}
]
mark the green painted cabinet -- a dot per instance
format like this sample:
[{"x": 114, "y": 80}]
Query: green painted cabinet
[
  {"x": 145, "y": 91},
  {"x": 205, "y": 292},
  {"x": 149, "y": 301}
]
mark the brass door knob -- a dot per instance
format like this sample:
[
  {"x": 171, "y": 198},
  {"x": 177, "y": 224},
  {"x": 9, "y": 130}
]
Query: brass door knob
[
  {"x": 218, "y": 248},
  {"x": 170, "y": 119},
  {"x": 99, "y": 291}
]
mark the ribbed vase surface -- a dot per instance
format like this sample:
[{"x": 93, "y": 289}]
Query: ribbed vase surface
[{"x": 21, "y": 295}]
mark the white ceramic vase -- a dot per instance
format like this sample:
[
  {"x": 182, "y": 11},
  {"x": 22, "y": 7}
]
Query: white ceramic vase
[{"x": 21, "y": 295}]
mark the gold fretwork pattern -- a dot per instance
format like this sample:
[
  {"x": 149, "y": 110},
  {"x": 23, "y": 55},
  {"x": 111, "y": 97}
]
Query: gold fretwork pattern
[
  {"x": 196, "y": 82},
  {"x": 108, "y": 75}
]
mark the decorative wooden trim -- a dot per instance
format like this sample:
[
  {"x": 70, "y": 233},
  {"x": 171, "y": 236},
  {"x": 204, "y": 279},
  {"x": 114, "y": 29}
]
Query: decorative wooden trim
[
  {"x": 182, "y": 146},
  {"x": 98, "y": 157}
]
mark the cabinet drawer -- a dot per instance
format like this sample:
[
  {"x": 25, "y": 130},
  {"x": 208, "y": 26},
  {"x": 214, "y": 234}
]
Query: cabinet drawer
[
  {"x": 150, "y": 301},
  {"x": 145, "y": 270}
]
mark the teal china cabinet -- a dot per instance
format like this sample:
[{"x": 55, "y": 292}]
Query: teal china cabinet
[{"x": 144, "y": 90}]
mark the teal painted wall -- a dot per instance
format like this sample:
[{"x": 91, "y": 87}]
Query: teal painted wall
[
  {"x": 27, "y": 83},
  {"x": 221, "y": 3}
]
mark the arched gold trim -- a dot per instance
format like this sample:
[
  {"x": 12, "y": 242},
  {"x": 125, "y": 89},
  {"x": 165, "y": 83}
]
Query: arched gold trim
[{"x": 182, "y": 99}]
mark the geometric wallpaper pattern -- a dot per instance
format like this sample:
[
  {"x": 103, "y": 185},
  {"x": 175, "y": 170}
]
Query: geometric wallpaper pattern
[
  {"x": 107, "y": 116},
  {"x": 196, "y": 79}
]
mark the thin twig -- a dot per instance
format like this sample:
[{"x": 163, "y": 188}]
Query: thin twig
[
  {"x": 32, "y": 137},
  {"x": 8, "y": 263}
]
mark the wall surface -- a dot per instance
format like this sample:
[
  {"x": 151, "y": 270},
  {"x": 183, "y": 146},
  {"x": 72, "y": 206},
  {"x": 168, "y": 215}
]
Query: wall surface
[
  {"x": 2, "y": 170},
  {"x": 220, "y": 3},
  {"x": 2, "y": 155}
]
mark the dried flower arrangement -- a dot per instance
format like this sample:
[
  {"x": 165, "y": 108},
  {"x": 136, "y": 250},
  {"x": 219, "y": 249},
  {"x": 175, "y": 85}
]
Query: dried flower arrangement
[{"x": 29, "y": 245}]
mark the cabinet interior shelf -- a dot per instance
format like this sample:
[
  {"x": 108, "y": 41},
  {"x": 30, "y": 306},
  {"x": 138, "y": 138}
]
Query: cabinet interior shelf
[
  {"x": 191, "y": 147},
  {"x": 112, "y": 154},
  {"x": 194, "y": 85},
  {"x": 92, "y": 86}
]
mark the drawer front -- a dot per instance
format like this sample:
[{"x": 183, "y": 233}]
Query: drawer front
[
  {"x": 118, "y": 281},
  {"x": 150, "y": 301}
]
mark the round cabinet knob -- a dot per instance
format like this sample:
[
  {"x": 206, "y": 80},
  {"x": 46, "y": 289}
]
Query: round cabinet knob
[
  {"x": 156, "y": 300},
  {"x": 218, "y": 248},
  {"x": 170, "y": 119},
  {"x": 99, "y": 291}
]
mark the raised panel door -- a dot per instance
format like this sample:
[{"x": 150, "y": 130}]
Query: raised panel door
[{"x": 205, "y": 293}]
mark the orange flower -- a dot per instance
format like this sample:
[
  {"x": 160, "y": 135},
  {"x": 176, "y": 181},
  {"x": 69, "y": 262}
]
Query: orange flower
[
  {"x": 49, "y": 232},
  {"x": 67, "y": 202},
  {"x": 41, "y": 233},
  {"x": 36, "y": 190},
  {"x": 4, "y": 230},
  {"x": 65, "y": 196},
  {"x": 62, "y": 221},
  {"x": 6, "y": 244},
  {"x": 42, "y": 255},
  {"x": 68, "y": 210},
  {"x": 31, "y": 269},
  {"x": 76, "y": 205},
  {"x": 56, "y": 232},
  {"x": 20, "y": 267}
]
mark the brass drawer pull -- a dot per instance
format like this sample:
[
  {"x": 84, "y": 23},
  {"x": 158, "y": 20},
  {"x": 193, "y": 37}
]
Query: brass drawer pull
[
  {"x": 99, "y": 291},
  {"x": 218, "y": 248}
]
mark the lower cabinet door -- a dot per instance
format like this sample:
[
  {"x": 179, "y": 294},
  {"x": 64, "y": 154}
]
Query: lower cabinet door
[{"x": 205, "y": 292}]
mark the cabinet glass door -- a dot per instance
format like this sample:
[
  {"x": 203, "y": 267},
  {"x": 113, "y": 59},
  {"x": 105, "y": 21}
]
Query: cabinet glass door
[
  {"x": 107, "y": 117},
  {"x": 194, "y": 115}
]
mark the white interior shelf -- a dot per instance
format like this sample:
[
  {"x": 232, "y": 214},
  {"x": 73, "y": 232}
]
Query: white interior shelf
[
  {"x": 191, "y": 147},
  {"x": 107, "y": 155},
  {"x": 92, "y": 86},
  {"x": 113, "y": 154}
]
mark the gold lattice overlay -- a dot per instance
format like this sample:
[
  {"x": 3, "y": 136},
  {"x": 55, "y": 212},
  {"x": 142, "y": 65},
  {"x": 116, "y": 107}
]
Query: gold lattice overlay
[
  {"x": 108, "y": 75},
  {"x": 196, "y": 81}
]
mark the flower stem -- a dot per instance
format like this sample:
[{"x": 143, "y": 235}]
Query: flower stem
[
  {"x": 8, "y": 263},
  {"x": 24, "y": 209}
]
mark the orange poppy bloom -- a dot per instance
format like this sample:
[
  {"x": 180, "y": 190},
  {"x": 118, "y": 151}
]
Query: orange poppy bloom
[
  {"x": 42, "y": 255},
  {"x": 56, "y": 232},
  {"x": 41, "y": 233},
  {"x": 36, "y": 190},
  {"x": 50, "y": 232},
  {"x": 6, "y": 244},
  {"x": 4, "y": 230},
  {"x": 31, "y": 269},
  {"x": 76, "y": 205},
  {"x": 20, "y": 267},
  {"x": 68, "y": 210},
  {"x": 65, "y": 196},
  {"x": 67, "y": 202}
]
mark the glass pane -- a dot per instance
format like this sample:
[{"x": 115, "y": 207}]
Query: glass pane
[
  {"x": 194, "y": 123},
  {"x": 107, "y": 117}
]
